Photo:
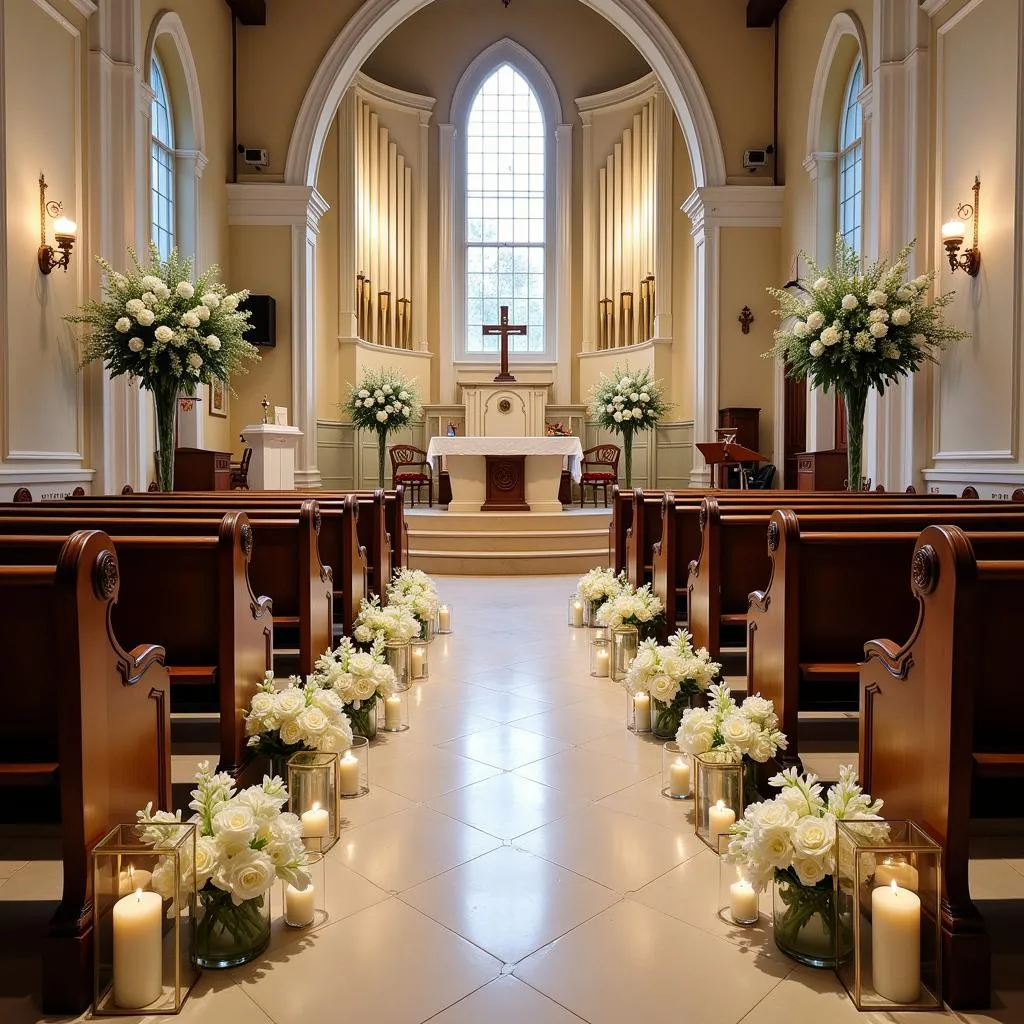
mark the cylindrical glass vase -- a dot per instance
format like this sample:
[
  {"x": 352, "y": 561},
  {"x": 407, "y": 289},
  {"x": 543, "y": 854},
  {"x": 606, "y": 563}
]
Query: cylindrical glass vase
[
  {"x": 719, "y": 792},
  {"x": 305, "y": 907},
  {"x": 444, "y": 619},
  {"x": 638, "y": 712},
  {"x": 363, "y": 718},
  {"x": 590, "y": 609},
  {"x": 426, "y": 630},
  {"x": 229, "y": 935},
  {"x": 600, "y": 658},
  {"x": 805, "y": 924},
  {"x": 312, "y": 788},
  {"x": 354, "y": 769},
  {"x": 666, "y": 716},
  {"x": 418, "y": 661},
  {"x": 737, "y": 898},
  {"x": 625, "y": 642},
  {"x": 395, "y": 711},
  {"x": 676, "y": 772},
  {"x": 397, "y": 654},
  {"x": 576, "y": 604}
]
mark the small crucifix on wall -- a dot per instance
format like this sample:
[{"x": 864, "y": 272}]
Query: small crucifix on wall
[{"x": 504, "y": 330}]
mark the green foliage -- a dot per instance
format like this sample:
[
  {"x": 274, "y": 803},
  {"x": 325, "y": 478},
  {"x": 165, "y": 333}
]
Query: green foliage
[
  {"x": 384, "y": 402},
  {"x": 627, "y": 402}
]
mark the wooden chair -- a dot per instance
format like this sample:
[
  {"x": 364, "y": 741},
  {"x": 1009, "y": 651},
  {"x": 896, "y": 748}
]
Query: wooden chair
[
  {"x": 240, "y": 471},
  {"x": 600, "y": 469},
  {"x": 410, "y": 468}
]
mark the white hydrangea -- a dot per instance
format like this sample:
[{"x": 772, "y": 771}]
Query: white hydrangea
[
  {"x": 878, "y": 329},
  {"x": 213, "y": 342},
  {"x": 146, "y": 318},
  {"x": 850, "y": 302},
  {"x": 815, "y": 320},
  {"x": 151, "y": 283},
  {"x": 904, "y": 293},
  {"x": 190, "y": 318},
  {"x": 136, "y": 344},
  {"x": 878, "y": 316},
  {"x": 163, "y": 333},
  {"x": 134, "y": 306},
  {"x": 382, "y": 416},
  {"x": 920, "y": 282},
  {"x": 901, "y": 317},
  {"x": 829, "y": 336},
  {"x": 210, "y": 300},
  {"x": 185, "y": 290},
  {"x": 203, "y": 313},
  {"x": 124, "y": 325},
  {"x": 876, "y": 297},
  {"x": 816, "y": 348}
]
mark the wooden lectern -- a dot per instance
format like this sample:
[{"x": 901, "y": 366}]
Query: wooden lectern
[{"x": 724, "y": 453}]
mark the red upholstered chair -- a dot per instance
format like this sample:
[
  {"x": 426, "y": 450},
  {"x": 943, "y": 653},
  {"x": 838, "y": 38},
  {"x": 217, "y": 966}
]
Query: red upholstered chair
[
  {"x": 410, "y": 468},
  {"x": 600, "y": 469}
]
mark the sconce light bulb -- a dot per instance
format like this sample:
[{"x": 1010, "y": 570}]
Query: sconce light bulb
[
  {"x": 953, "y": 231},
  {"x": 64, "y": 228}
]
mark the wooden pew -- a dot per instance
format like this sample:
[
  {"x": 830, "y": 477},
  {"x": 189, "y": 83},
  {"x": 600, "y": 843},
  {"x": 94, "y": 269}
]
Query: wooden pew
[
  {"x": 642, "y": 534},
  {"x": 375, "y": 540},
  {"x": 189, "y": 589},
  {"x": 671, "y": 554},
  {"x": 940, "y": 736},
  {"x": 92, "y": 729},
  {"x": 622, "y": 520}
]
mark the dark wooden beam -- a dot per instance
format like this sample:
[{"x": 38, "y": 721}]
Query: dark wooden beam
[
  {"x": 249, "y": 12},
  {"x": 762, "y": 13}
]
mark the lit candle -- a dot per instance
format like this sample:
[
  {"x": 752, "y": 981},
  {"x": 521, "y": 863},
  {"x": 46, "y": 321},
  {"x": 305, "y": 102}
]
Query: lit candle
[
  {"x": 720, "y": 819},
  {"x": 418, "y": 657},
  {"x": 348, "y": 774},
  {"x": 896, "y": 943},
  {"x": 642, "y": 712},
  {"x": 132, "y": 879},
  {"x": 315, "y": 822},
  {"x": 898, "y": 871},
  {"x": 602, "y": 660},
  {"x": 742, "y": 902},
  {"x": 393, "y": 713},
  {"x": 679, "y": 777},
  {"x": 444, "y": 619},
  {"x": 138, "y": 971},
  {"x": 299, "y": 905},
  {"x": 577, "y": 613}
]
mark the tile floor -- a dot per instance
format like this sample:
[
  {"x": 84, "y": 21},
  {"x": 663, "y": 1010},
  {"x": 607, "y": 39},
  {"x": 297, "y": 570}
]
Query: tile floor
[{"x": 515, "y": 862}]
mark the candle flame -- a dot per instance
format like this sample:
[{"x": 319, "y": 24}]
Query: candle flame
[
  {"x": 138, "y": 895},
  {"x": 895, "y": 887},
  {"x": 316, "y": 805},
  {"x": 720, "y": 805}
]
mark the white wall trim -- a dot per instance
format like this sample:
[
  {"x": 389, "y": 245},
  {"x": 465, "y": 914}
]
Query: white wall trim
[
  {"x": 86, "y": 7},
  {"x": 628, "y": 95},
  {"x": 563, "y": 262},
  {"x": 265, "y": 205},
  {"x": 391, "y": 96},
  {"x": 168, "y": 23},
  {"x": 445, "y": 258},
  {"x": 934, "y": 7}
]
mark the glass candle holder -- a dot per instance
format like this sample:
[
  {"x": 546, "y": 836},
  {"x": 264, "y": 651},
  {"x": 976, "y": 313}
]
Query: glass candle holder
[
  {"x": 737, "y": 898},
  {"x": 576, "y": 604},
  {"x": 676, "y": 772},
  {"x": 600, "y": 658},
  {"x": 418, "y": 662},
  {"x": 625, "y": 641},
  {"x": 312, "y": 789},
  {"x": 354, "y": 769},
  {"x": 888, "y": 886},
  {"x": 303, "y": 908},
  {"x": 397, "y": 654},
  {"x": 426, "y": 631},
  {"x": 143, "y": 939},
  {"x": 638, "y": 712},
  {"x": 444, "y": 619},
  {"x": 395, "y": 712},
  {"x": 719, "y": 794}
]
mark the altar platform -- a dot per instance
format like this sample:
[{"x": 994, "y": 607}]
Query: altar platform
[{"x": 507, "y": 543}]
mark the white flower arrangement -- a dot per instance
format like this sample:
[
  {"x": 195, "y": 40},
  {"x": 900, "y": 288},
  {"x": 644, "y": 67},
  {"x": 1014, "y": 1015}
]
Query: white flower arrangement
[
  {"x": 795, "y": 832},
  {"x": 599, "y": 584},
  {"x": 748, "y": 729},
  {"x": 358, "y": 678},
  {"x": 415, "y": 590},
  {"x": 373, "y": 624},
  {"x": 282, "y": 721},
  {"x": 630, "y": 607},
  {"x": 383, "y": 402}
]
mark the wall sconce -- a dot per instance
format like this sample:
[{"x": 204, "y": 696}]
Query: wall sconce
[
  {"x": 63, "y": 232},
  {"x": 953, "y": 236}
]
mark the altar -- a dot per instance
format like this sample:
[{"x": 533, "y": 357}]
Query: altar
[{"x": 506, "y": 474}]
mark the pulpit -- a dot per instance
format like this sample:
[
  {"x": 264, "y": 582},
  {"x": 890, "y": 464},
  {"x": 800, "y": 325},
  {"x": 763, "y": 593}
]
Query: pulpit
[
  {"x": 197, "y": 469},
  {"x": 273, "y": 456}
]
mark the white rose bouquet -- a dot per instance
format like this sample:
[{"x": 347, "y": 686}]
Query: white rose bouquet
[
  {"x": 748, "y": 729},
  {"x": 383, "y": 402},
  {"x": 629, "y": 607},
  {"x": 244, "y": 843},
  {"x": 672, "y": 675},
  {"x": 597, "y": 585},
  {"x": 415, "y": 590},
  {"x": 374, "y": 624},
  {"x": 625, "y": 403},
  {"x": 169, "y": 332},
  {"x": 281, "y": 722},
  {"x": 358, "y": 678}
]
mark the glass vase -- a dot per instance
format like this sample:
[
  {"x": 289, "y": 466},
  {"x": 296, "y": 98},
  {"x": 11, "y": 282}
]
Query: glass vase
[
  {"x": 625, "y": 641},
  {"x": 444, "y": 619},
  {"x": 627, "y": 451},
  {"x": 382, "y": 449},
  {"x": 718, "y": 787},
  {"x": 804, "y": 922},
  {"x": 165, "y": 405},
  {"x": 363, "y": 718},
  {"x": 590, "y": 610},
  {"x": 676, "y": 772},
  {"x": 856, "y": 402},
  {"x": 666, "y": 716},
  {"x": 229, "y": 936},
  {"x": 397, "y": 654},
  {"x": 600, "y": 658},
  {"x": 575, "y": 613}
]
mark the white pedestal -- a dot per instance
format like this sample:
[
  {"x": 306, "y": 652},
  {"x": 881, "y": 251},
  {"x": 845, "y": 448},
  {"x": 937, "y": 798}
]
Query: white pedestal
[{"x": 273, "y": 456}]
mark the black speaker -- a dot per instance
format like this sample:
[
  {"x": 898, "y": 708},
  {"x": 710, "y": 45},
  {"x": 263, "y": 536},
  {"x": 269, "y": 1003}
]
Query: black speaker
[{"x": 263, "y": 322}]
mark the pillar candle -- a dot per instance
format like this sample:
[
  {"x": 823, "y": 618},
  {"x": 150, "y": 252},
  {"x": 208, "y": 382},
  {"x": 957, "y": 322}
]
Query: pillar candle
[
  {"x": 348, "y": 774},
  {"x": 679, "y": 778},
  {"x": 315, "y": 822},
  {"x": 577, "y": 613},
  {"x": 418, "y": 659},
  {"x": 642, "y": 712},
  {"x": 393, "y": 713},
  {"x": 444, "y": 619},
  {"x": 138, "y": 967},
  {"x": 299, "y": 905},
  {"x": 720, "y": 819},
  {"x": 898, "y": 871},
  {"x": 601, "y": 662},
  {"x": 896, "y": 943},
  {"x": 742, "y": 902}
]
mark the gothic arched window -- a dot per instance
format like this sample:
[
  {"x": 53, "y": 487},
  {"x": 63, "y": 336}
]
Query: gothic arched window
[
  {"x": 851, "y": 160},
  {"x": 162, "y": 156}
]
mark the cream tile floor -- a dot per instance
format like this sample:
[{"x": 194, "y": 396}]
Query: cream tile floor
[{"x": 515, "y": 862}]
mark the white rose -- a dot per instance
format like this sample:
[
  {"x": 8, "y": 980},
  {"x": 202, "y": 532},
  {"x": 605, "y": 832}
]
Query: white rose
[
  {"x": 136, "y": 344},
  {"x": 190, "y": 319},
  {"x": 290, "y": 702},
  {"x": 210, "y": 300},
  {"x": 901, "y": 317},
  {"x": 263, "y": 705},
  {"x": 146, "y": 318},
  {"x": 150, "y": 283},
  {"x": 213, "y": 343},
  {"x": 800, "y": 329},
  {"x": 663, "y": 688},
  {"x": 163, "y": 333},
  {"x": 312, "y": 721},
  {"x": 821, "y": 284},
  {"x": 829, "y": 336},
  {"x": 759, "y": 710},
  {"x": 696, "y": 731},
  {"x": 760, "y": 747},
  {"x": 248, "y": 875},
  {"x": 879, "y": 330},
  {"x": 124, "y": 325},
  {"x": 234, "y": 826},
  {"x": 814, "y": 837},
  {"x": 382, "y": 416},
  {"x": 876, "y": 297},
  {"x": 816, "y": 348},
  {"x": 637, "y": 413},
  {"x": 904, "y": 294},
  {"x": 207, "y": 856},
  {"x": 794, "y": 800},
  {"x": 290, "y": 732},
  {"x": 134, "y": 305},
  {"x": 737, "y": 730},
  {"x": 203, "y": 313},
  {"x": 920, "y": 282},
  {"x": 361, "y": 664},
  {"x": 850, "y": 302},
  {"x": 368, "y": 403},
  {"x": 644, "y": 397},
  {"x": 811, "y": 870},
  {"x": 148, "y": 298},
  {"x": 185, "y": 290},
  {"x": 775, "y": 814},
  {"x": 364, "y": 687},
  {"x": 617, "y": 417},
  {"x": 816, "y": 320}
]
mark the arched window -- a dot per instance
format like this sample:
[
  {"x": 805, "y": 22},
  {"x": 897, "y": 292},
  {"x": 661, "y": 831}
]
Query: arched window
[
  {"x": 506, "y": 212},
  {"x": 162, "y": 155},
  {"x": 851, "y": 160}
]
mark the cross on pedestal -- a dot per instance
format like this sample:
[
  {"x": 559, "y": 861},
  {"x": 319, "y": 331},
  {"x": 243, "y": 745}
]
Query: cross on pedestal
[{"x": 504, "y": 330}]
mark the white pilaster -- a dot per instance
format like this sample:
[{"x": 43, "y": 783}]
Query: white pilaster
[
  {"x": 563, "y": 262},
  {"x": 347, "y": 269},
  {"x": 445, "y": 260},
  {"x": 419, "y": 239},
  {"x": 588, "y": 317},
  {"x": 664, "y": 212}
]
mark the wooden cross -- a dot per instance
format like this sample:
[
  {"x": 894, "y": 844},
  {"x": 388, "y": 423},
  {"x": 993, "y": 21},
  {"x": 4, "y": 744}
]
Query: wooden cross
[{"x": 504, "y": 330}]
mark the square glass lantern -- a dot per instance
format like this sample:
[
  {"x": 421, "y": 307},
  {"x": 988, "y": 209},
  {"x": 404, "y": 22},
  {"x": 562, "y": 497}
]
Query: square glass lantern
[
  {"x": 737, "y": 898},
  {"x": 354, "y": 769},
  {"x": 418, "y": 666},
  {"x": 144, "y": 913},
  {"x": 638, "y": 712},
  {"x": 397, "y": 654},
  {"x": 676, "y": 772},
  {"x": 888, "y": 892},
  {"x": 576, "y": 606},
  {"x": 444, "y": 620},
  {"x": 600, "y": 658},
  {"x": 303, "y": 908},
  {"x": 625, "y": 642},
  {"x": 718, "y": 787},
  {"x": 395, "y": 711},
  {"x": 312, "y": 788}
]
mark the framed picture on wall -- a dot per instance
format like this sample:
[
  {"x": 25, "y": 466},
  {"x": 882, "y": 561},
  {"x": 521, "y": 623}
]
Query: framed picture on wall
[{"x": 218, "y": 398}]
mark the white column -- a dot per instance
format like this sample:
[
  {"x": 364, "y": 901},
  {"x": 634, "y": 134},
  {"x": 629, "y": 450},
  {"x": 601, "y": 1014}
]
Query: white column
[
  {"x": 588, "y": 318},
  {"x": 664, "y": 212},
  {"x": 563, "y": 263},
  {"x": 445, "y": 261},
  {"x": 348, "y": 221}
]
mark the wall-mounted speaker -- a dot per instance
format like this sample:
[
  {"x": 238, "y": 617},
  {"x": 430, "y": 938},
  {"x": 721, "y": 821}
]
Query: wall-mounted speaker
[{"x": 263, "y": 322}]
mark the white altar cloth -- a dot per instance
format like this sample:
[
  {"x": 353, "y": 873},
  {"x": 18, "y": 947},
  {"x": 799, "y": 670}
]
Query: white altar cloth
[{"x": 567, "y": 447}]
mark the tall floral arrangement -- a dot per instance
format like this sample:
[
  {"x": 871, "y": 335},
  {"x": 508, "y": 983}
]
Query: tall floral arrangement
[
  {"x": 630, "y": 607},
  {"x": 852, "y": 330},
  {"x": 627, "y": 403},
  {"x": 415, "y": 590},
  {"x": 168, "y": 331},
  {"x": 375, "y": 624},
  {"x": 281, "y": 722},
  {"x": 383, "y": 402},
  {"x": 358, "y": 678},
  {"x": 749, "y": 729}
]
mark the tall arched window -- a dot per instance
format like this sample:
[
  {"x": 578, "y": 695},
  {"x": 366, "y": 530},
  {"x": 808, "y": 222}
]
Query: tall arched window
[
  {"x": 162, "y": 154},
  {"x": 851, "y": 160},
  {"x": 506, "y": 212}
]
